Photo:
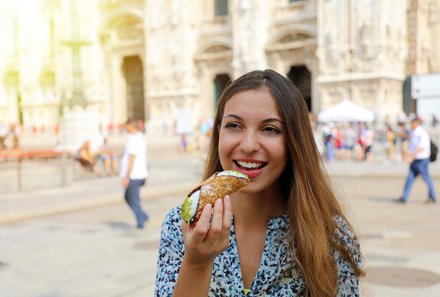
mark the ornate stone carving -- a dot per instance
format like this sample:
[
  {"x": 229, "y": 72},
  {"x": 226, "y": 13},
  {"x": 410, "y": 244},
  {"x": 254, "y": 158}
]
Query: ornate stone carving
[
  {"x": 294, "y": 37},
  {"x": 216, "y": 49}
]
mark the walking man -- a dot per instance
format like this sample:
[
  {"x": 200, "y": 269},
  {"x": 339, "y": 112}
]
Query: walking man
[
  {"x": 134, "y": 172},
  {"x": 418, "y": 156}
]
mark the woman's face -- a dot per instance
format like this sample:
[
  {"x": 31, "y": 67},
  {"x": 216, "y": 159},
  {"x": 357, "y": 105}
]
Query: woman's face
[{"x": 252, "y": 138}]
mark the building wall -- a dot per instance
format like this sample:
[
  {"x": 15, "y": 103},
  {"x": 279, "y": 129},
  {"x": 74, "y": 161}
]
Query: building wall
[
  {"x": 256, "y": 35},
  {"x": 424, "y": 19},
  {"x": 171, "y": 30},
  {"x": 35, "y": 37},
  {"x": 360, "y": 50},
  {"x": 121, "y": 34},
  {"x": 363, "y": 47}
]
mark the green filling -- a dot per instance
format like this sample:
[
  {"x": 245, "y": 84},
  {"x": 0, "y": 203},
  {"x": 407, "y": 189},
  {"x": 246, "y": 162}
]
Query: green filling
[{"x": 185, "y": 212}]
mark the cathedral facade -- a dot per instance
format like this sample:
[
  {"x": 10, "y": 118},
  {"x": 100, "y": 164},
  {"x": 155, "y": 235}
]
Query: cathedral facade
[{"x": 144, "y": 59}]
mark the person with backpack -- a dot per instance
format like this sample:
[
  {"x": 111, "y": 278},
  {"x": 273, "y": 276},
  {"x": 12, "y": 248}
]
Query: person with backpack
[{"x": 418, "y": 155}]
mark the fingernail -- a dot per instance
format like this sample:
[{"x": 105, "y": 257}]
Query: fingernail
[{"x": 227, "y": 198}]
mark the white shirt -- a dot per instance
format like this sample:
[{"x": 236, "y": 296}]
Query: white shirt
[
  {"x": 420, "y": 138},
  {"x": 136, "y": 146}
]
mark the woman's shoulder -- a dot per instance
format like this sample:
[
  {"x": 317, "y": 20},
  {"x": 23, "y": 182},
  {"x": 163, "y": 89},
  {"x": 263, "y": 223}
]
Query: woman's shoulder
[
  {"x": 173, "y": 218},
  {"x": 345, "y": 236},
  {"x": 171, "y": 231},
  {"x": 343, "y": 230}
]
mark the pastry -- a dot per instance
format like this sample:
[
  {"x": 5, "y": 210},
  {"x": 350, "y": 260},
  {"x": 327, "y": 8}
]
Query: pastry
[{"x": 219, "y": 185}]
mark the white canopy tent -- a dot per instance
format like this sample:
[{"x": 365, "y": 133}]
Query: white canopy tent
[{"x": 346, "y": 111}]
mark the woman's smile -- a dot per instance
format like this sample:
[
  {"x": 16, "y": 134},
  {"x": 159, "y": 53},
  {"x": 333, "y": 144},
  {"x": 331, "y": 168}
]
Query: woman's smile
[{"x": 251, "y": 168}]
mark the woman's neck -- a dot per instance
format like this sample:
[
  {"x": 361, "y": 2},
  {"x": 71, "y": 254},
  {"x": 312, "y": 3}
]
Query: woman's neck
[{"x": 254, "y": 211}]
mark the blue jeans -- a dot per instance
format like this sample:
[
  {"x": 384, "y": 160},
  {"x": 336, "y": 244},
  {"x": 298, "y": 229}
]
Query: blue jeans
[
  {"x": 132, "y": 196},
  {"x": 418, "y": 167}
]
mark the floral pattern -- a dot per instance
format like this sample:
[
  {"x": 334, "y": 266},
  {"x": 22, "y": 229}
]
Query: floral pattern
[{"x": 278, "y": 274}]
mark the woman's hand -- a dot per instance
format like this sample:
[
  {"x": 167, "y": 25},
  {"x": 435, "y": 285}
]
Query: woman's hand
[
  {"x": 203, "y": 242},
  {"x": 210, "y": 235}
]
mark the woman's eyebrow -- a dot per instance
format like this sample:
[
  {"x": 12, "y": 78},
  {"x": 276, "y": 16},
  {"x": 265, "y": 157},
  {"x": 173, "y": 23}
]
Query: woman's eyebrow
[
  {"x": 273, "y": 120},
  {"x": 269, "y": 120},
  {"x": 231, "y": 115}
]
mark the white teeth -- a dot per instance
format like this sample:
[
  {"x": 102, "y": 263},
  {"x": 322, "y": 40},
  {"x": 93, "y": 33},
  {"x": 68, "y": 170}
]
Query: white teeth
[{"x": 252, "y": 165}]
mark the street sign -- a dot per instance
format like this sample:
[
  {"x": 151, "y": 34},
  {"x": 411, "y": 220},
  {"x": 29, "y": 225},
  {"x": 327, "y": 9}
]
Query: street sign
[{"x": 426, "y": 86}]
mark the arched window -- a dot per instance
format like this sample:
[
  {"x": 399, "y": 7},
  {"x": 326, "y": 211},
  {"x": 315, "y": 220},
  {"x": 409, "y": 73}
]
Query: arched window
[
  {"x": 133, "y": 72},
  {"x": 220, "y": 82},
  {"x": 302, "y": 78},
  {"x": 221, "y": 7}
]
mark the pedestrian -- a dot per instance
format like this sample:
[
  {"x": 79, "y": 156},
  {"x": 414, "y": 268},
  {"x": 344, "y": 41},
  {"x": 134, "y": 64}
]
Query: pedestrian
[
  {"x": 134, "y": 171},
  {"x": 3, "y": 134},
  {"x": 350, "y": 138},
  {"x": 368, "y": 143},
  {"x": 86, "y": 159},
  {"x": 417, "y": 156},
  {"x": 329, "y": 147},
  {"x": 284, "y": 234},
  {"x": 339, "y": 142},
  {"x": 390, "y": 142},
  {"x": 183, "y": 126},
  {"x": 106, "y": 156},
  {"x": 362, "y": 136},
  {"x": 434, "y": 121},
  {"x": 403, "y": 133},
  {"x": 14, "y": 133}
]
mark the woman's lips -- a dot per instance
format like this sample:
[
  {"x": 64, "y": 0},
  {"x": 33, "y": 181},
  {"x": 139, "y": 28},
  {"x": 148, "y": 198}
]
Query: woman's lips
[{"x": 251, "y": 172}]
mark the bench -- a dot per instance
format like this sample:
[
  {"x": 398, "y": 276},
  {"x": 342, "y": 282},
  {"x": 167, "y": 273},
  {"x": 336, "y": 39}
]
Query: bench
[{"x": 20, "y": 156}]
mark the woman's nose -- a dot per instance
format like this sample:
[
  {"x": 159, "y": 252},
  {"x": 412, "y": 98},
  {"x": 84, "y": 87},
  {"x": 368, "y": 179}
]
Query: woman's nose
[{"x": 249, "y": 143}]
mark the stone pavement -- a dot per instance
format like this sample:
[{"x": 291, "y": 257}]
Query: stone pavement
[
  {"x": 400, "y": 243},
  {"x": 167, "y": 176},
  {"x": 95, "y": 252}
]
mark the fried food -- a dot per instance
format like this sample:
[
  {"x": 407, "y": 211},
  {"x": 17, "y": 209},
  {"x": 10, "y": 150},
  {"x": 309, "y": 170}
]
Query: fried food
[{"x": 217, "y": 186}]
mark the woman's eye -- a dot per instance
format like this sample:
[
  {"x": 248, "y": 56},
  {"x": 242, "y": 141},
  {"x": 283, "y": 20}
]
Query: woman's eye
[
  {"x": 232, "y": 125},
  {"x": 271, "y": 129}
]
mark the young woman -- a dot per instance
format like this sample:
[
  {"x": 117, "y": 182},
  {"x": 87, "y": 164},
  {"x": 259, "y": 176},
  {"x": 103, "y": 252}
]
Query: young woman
[{"x": 284, "y": 234}]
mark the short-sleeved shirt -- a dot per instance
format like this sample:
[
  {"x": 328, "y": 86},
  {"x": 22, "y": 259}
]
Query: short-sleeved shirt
[
  {"x": 278, "y": 274},
  {"x": 420, "y": 138},
  {"x": 136, "y": 146}
]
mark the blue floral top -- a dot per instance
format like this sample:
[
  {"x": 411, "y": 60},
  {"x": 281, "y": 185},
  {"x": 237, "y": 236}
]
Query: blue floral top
[{"x": 278, "y": 274}]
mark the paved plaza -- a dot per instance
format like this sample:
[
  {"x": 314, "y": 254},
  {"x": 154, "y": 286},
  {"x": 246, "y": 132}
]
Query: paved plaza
[{"x": 80, "y": 241}]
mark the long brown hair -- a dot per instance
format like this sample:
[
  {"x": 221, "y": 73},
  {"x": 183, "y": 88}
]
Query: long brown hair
[{"x": 310, "y": 201}]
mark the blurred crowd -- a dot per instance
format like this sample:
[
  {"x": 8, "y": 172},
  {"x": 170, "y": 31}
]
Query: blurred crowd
[
  {"x": 356, "y": 141},
  {"x": 362, "y": 141},
  {"x": 10, "y": 133}
]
